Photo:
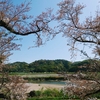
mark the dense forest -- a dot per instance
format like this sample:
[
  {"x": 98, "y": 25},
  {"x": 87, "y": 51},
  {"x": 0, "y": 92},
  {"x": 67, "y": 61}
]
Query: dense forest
[{"x": 48, "y": 66}]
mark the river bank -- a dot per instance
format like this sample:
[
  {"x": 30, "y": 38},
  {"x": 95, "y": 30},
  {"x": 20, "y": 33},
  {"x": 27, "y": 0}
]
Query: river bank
[{"x": 35, "y": 87}]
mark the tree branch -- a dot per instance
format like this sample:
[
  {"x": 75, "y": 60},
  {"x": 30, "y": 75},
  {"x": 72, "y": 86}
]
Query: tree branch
[{"x": 9, "y": 28}]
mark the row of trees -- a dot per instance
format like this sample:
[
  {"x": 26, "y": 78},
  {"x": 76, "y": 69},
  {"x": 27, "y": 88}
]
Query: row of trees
[
  {"x": 49, "y": 66},
  {"x": 40, "y": 66},
  {"x": 14, "y": 21}
]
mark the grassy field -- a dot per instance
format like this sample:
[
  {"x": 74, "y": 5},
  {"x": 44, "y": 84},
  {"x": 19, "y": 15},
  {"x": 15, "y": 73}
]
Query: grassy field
[{"x": 37, "y": 75}]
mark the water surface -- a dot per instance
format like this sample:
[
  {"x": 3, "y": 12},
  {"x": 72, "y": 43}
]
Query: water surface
[{"x": 54, "y": 82}]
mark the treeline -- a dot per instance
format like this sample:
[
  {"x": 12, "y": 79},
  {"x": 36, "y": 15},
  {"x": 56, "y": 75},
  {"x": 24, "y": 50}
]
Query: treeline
[{"x": 48, "y": 66}]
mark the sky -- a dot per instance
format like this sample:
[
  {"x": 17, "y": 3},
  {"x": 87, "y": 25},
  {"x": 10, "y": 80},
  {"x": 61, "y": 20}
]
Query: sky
[{"x": 53, "y": 49}]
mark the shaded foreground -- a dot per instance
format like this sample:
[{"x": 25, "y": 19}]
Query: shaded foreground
[{"x": 49, "y": 92}]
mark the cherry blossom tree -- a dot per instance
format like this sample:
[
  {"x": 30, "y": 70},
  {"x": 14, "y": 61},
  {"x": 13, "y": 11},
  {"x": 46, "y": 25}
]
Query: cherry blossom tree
[
  {"x": 14, "y": 21},
  {"x": 87, "y": 34}
]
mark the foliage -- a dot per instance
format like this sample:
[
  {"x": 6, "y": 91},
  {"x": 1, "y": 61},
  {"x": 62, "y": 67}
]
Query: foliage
[
  {"x": 14, "y": 20},
  {"x": 48, "y": 94},
  {"x": 40, "y": 66},
  {"x": 47, "y": 98},
  {"x": 18, "y": 67},
  {"x": 86, "y": 34},
  {"x": 48, "y": 66},
  {"x": 51, "y": 66},
  {"x": 9, "y": 86}
]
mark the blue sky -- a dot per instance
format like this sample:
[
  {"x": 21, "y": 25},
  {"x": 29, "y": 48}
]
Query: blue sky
[{"x": 53, "y": 49}]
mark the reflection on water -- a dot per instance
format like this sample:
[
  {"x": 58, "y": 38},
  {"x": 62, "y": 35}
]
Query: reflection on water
[{"x": 53, "y": 82}]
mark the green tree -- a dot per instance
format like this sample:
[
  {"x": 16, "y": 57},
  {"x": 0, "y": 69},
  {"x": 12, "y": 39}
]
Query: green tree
[
  {"x": 49, "y": 66},
  {"x": 18, "y": 67}
]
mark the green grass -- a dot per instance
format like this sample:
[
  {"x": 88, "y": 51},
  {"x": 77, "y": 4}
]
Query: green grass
[
  {"x": 50, "y": 94},
  {"x": 49, "y": 98},
  {"x": 35, "y": 74}
]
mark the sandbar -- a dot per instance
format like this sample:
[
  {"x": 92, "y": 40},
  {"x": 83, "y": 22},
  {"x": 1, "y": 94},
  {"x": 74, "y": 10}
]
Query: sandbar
[{"x": 35, "y": 87}]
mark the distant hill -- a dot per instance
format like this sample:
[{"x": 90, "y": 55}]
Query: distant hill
[{"x": 48, "y": 66}]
